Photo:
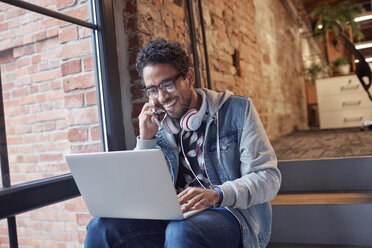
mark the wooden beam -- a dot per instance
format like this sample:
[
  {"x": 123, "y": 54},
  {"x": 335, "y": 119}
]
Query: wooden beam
[{"x": 323, "y": 198}]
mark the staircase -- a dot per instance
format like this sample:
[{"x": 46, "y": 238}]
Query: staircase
[{"x": 324, "y": 203}]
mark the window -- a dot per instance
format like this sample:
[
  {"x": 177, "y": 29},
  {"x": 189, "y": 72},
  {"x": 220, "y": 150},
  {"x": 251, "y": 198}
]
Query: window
[{"x": 57, "y": 97}]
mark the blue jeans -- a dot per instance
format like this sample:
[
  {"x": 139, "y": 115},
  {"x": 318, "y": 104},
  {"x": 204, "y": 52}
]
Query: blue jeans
[{"x": 213, "y": 227}]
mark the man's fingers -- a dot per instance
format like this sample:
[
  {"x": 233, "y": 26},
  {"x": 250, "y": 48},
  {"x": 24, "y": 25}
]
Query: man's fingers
[
  {"x": 192, "y": 202},
  {"x": 187, "y": 194}
]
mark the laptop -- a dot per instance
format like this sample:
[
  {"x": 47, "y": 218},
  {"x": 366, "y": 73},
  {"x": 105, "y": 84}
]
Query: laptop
[{"x": 133, "y": 184}]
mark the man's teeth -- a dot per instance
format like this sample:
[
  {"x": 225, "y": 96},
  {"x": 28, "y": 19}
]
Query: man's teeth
[{"x": 170, "y": 104}]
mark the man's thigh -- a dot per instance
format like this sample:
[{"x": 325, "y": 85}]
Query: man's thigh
[
  {"x": 213, "y": 227},
  {"x": 109, "y": 232}
]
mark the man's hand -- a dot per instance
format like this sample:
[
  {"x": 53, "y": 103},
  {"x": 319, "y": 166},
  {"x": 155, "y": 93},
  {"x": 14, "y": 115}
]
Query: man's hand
[
  {"x": 147, "y": 125},
  {"x": 197, "y": 198}
]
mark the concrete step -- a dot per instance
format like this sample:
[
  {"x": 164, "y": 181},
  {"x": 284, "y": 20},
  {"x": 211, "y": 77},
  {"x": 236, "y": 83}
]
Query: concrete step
[
  {"x": 327, "y": 224},
  {"x": 342, "y": 174},
  {"x": 324, "y": 202}
]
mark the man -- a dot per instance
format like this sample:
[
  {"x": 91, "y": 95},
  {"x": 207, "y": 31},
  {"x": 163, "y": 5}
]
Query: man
[{"x": 218, "y": 155}]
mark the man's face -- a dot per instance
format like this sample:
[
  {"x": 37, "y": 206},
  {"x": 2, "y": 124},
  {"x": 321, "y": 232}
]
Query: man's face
[{"x": 176, "y": 103}]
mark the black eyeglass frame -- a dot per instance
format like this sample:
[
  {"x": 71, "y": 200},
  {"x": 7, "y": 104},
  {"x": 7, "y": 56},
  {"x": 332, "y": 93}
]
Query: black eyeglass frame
[{"x": 165, "y": 81}]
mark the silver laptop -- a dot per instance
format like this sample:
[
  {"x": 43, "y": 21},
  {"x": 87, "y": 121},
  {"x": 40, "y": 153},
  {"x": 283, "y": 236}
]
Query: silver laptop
[{"x": 127, "y": 184}]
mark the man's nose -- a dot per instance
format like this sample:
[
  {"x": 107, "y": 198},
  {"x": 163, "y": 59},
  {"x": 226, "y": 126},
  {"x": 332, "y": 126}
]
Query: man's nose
[{"x": 163, "y": 95}]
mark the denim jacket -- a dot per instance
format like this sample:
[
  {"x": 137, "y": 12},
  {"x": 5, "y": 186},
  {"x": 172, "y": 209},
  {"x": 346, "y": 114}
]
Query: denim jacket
[{"x": 238, "y": 157}]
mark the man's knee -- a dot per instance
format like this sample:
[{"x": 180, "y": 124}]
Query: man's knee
[
  {"x": 181, "y": 231},
  {"x": 97, "y": 231}
]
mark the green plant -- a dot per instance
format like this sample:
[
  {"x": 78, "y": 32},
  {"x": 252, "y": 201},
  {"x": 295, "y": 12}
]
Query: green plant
[
  {"x": 344, "y": 11},
  {"x": 341, "y": 61},
  {"x": 313, "y": 71}
]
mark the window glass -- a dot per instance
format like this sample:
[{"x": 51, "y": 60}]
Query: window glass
[
  {"x": 75, "y": 8},
  {"x": 50, "y": 103},
  {"x": 49, "y": 90}
]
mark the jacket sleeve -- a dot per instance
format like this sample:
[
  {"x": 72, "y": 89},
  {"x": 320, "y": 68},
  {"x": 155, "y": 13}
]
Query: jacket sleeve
[
  {"x": 260, "y": 180},
  {"x": 145, "y": 144}
]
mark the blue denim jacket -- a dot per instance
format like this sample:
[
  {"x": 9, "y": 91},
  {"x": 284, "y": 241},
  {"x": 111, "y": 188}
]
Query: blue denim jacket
[{"x": 242, "y": 163}]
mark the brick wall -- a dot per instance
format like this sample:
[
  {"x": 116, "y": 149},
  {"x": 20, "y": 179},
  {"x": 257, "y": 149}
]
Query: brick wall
[
  {"x": 50, "y": 101},
  {"x": 253, "y": 47},
  {"x": 283, "y": 86}
]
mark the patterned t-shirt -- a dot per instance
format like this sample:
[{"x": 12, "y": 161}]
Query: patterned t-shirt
[{"x": 192, "y": 145}]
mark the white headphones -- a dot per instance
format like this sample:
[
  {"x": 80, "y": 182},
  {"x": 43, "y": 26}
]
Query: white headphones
[{"x": 189, "y": 121}]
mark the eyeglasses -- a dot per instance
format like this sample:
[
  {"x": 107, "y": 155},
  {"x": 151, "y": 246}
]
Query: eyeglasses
[{"x": 166, "y": 85}]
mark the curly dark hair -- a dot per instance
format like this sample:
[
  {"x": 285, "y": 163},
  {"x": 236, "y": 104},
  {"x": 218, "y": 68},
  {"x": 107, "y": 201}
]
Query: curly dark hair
[{"x": 162, "y": 51}]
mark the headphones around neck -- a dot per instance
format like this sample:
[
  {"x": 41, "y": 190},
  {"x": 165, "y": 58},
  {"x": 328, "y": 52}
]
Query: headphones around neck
[{"x": 190, "y": 121}]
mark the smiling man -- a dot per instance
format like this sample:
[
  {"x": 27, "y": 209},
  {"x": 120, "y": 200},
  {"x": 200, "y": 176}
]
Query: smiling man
[{"x": 218, "y": 155}]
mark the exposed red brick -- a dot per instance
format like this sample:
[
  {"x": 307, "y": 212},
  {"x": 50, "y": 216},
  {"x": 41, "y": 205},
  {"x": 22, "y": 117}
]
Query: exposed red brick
[
  {"x": 56, "y": 85},
  {"x": 137, "y": 107},
  {"x": 82, "y": 116},
  {"x": 51, "y": 157},
  {"x": 18, "y": 52},
  {"x": 5, "y": 239},
  {"x": 78, "y": 134},
  {"x": 95, "y": 133},
  {"x": 40, "y": 98},
  {"x": 136, "y": 92},
  {"x": 91, "y": 98},
  {"x": 9, "y": 67},
  {"x": 7, "y": 86},
  {"x": 88, "y": 64},
  {"x": 20, "y": 92},
  {"x": 50, "y": 126},
  {"x": 84, "y": 32},
  {"x": 134, "y": 74},
  {"x": 53, "y": 32},
  {"x": 84, "y": 47},
  {"x": 3, "y": 26},
  {"x": 82, "y": 12},
  {"x": 78, "y": 82},
  {"x": 68, "y": 34},
  {"x": 86, "y": 148},
  {"x": 32, "y": 69},
  {"x": 132, "y": 57},
  {"x": 40, "y": 36},
  {"x": 75, "y": 100},
  {"x": 58, "y": 136},
  {"x": 136, "y": 127},
  {"x": 25, "y": 61},
  {"x": 27, "y": 158},
  {"x": 82, "y": 234},
  {"x": 133, "y": 42},
  {"x": 71, "y": 67},
  {"x": 44, "y": 76},
  {"x": 60, "y": 236},
  {"x": 36, "y": 58},
  {"x": 130, "y": 7},
  {"x": 83, "y": 219},
  {"x": 29, "y": 49},
  {"x": 61, "y": 4},
  {"x": 130, "y": 24},
  {"x": 6, "y": 95},
  {"x": 51, "y": 115}
]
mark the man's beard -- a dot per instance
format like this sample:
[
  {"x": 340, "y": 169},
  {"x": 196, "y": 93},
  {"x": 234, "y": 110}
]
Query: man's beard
[{"x": 184, "y": 107}]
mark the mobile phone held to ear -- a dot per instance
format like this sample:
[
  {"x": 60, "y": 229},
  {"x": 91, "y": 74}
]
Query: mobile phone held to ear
[
  {"x": 158, "y": 112},
  {"x": 156, "y": 121}
]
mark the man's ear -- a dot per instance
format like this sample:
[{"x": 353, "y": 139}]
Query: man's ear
[{"x": 190, "y": 76}]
